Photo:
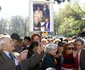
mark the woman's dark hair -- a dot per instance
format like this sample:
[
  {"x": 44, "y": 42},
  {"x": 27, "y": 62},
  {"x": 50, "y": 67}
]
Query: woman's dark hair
[
  {"x": 33, "y": 44},
  {"x": 27, "y": 38}
]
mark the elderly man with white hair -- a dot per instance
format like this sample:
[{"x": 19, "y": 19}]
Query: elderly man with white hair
[
  {"x": 9, "y": 62},
  {"x": 49, "y": 58}
]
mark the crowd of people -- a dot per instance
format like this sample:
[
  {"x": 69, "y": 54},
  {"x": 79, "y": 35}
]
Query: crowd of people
[{"x": 36, "y": 53}]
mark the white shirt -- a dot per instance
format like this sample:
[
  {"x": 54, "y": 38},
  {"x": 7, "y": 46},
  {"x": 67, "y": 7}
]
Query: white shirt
[
  {"x": 79, "y": 59},
  {"x": 44, "y": 9},
  {"x": 47, "y": 25},
  {"x": 7, "y": 53},
  {"x": 28, "y": 45}
]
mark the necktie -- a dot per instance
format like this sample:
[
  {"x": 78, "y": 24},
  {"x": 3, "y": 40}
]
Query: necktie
[
  {"x": 11, "y": 56},
  {"x": 76, "y": 62}
]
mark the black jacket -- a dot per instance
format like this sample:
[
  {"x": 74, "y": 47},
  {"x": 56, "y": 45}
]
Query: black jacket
[{"x": 48, "y": 61}]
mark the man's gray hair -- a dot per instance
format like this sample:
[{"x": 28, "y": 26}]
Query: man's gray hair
[
  {"x": 49, "y": 47},
  {"x": 79, "y": 39},
  {"x": 3, "y": 41}
]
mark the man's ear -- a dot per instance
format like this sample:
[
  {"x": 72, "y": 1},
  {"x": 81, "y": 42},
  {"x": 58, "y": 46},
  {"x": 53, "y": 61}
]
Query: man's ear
[{"x": 3, "y": 46}]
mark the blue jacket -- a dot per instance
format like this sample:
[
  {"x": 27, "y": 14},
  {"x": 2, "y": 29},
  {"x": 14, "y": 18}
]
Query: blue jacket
[{"x": 48, "y": 28}]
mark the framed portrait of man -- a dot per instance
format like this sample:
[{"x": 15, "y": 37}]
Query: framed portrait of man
[{"x": 41, "y": 16}]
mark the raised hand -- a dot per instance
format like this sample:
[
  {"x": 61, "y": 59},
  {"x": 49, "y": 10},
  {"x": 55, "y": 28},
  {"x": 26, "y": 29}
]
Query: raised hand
[{"x": 22, "y": 56}]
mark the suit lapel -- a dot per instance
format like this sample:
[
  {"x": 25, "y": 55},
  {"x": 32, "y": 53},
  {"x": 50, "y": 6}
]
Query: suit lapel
[
  {"x": 82, "y": 57},
  {"x": 4, "y": 56},
  {"x": 81, "y": 54}
]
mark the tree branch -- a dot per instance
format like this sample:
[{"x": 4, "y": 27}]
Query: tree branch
[{"x": 80, "y": 9}]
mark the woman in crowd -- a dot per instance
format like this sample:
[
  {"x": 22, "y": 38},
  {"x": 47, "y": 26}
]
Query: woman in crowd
[
  {"x": 58, "y": 55},
  {"x": 67, "y": 57},
  {"x": 35, "y": 37},
  {"x": 49, "y": 57},
  {"x": 32, "y": 48}
]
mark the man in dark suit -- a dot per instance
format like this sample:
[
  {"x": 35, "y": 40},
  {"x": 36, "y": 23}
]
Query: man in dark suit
[
  {"x": 46, "y": 25},
  {"x": 79, "y": 54},
  {"x": 9, "y": 62},
  {"x": 26, "y": 43},
  {"x": 45, "y": 12},
  {"x": 16, "y": 39}
]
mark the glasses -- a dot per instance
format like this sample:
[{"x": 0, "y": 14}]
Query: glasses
[{"x": 70, "y": 48}]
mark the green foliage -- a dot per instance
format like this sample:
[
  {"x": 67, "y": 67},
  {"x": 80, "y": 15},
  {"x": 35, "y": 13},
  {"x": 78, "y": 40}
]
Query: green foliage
[
  {"x": 69, "y": 27},
  {"x": 68, "y": 21}
]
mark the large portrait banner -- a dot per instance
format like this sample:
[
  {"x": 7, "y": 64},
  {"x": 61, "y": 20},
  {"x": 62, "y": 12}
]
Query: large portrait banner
[{"x": 41, "y": 16}]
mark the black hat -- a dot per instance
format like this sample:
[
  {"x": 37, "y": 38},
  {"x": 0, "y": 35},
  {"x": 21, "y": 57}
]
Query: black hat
[
  {"x": 16, "y": 37},
  {"x": 82, "y": 34},
  {"x": 60, "y": 44}
]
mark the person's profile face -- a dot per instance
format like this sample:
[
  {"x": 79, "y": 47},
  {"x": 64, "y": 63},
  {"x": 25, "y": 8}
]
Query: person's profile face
[
  {"x": 10, "y": 45},
  {"x": 15, "y": 42},
  {"x": 35, "y": 48}
]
